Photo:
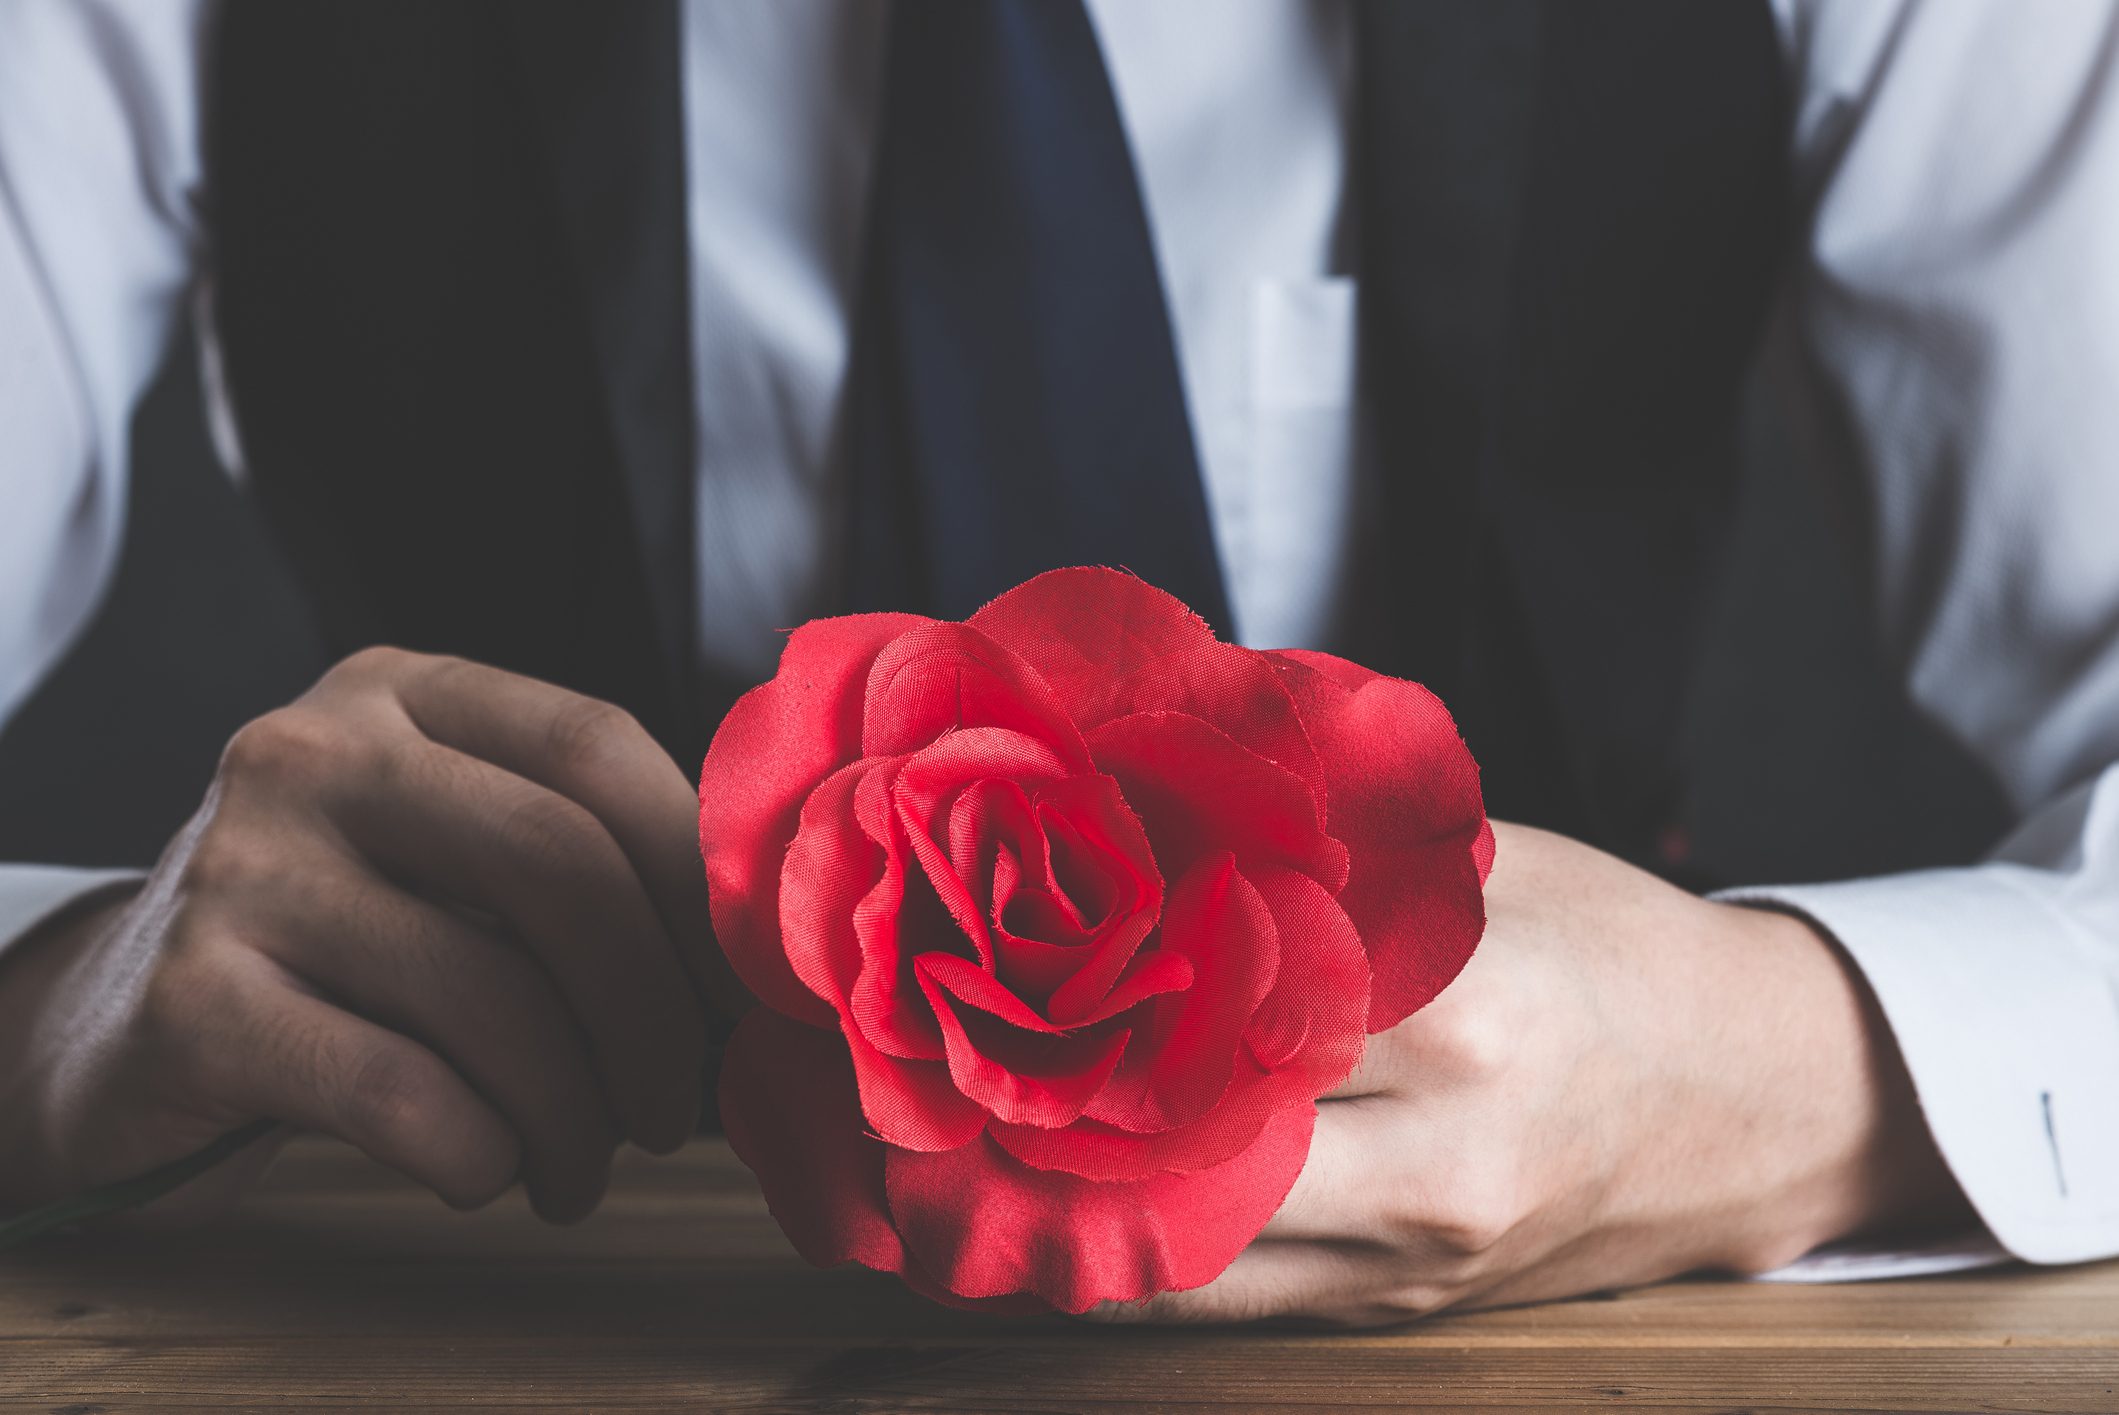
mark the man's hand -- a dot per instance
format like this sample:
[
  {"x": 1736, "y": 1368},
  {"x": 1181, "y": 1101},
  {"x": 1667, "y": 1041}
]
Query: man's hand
[
  {"x": 451, "y": 915},
  {"x": 1626, "y": 1083}
]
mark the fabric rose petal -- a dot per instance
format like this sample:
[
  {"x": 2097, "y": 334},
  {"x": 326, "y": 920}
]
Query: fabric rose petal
[{"x": 1062, "y": 918}]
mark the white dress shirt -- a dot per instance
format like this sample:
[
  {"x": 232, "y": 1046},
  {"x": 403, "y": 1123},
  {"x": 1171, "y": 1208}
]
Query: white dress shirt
[{"x": 1952, "y": 323}]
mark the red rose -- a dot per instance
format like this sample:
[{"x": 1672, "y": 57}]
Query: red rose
[{"x": 1062, "y": 918}]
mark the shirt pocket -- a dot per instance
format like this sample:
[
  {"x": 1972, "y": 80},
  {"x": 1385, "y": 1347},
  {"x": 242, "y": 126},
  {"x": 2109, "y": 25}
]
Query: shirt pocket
[
  {"x": 1302, "y": 344},
  {"x": 1298, "y": 534}
]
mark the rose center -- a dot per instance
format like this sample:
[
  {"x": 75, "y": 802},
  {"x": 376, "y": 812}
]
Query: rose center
[{"x": 1050, "y": 871}]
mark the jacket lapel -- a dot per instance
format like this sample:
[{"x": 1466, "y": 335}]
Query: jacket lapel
[
  {"x": 1446, "y": 101},
  {"x": 606, "y": 83},
  {"x": 1448, "y": 97}
]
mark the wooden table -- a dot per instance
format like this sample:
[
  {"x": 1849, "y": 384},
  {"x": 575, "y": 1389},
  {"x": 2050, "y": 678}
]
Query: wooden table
[{"x": 339, "y": 1284}]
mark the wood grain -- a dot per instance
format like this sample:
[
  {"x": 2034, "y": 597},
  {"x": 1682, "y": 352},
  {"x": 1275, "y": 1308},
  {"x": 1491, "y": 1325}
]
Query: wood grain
[{"x": 339, "y": 1284}]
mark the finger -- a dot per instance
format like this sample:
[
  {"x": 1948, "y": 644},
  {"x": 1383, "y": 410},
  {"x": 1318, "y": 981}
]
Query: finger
[
  {"x": 1336, "y": 1198},
  {"x": 292, "y": 1057},
  {"x": 477, "y": 1002},
  {"x": 469, "y": 830},
  {"x": 1269, "y": 1280},
  {"x": 595, "y": 754}
]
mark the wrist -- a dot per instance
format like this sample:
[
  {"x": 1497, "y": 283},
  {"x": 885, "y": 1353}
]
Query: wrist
[
  {"x": 33, "y": 976},
  {"x": 1835, "y": 1142}
]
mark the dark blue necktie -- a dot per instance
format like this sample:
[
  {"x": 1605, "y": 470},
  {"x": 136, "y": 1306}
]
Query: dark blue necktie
[{"x": 1015, "y": 403}]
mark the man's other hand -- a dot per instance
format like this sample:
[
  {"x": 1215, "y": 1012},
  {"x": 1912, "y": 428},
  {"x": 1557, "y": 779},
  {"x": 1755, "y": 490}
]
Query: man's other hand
[
  {"x": 453, "y": 916},
  {"x": 1626, "y": 1083}
]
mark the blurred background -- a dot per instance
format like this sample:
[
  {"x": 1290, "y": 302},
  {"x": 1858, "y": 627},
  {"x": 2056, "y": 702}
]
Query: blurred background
[{"x": 1806, "y": 760}]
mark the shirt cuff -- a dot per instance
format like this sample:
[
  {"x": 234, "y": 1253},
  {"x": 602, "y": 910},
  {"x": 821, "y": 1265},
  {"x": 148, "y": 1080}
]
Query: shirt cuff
[
  {"x": 1876, "y": 1262},
  {"x": 31, "y": 894},
  {"x": 2010, "y": 1032}
]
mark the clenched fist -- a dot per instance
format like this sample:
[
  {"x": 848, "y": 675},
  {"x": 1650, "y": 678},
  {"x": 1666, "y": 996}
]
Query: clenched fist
[
  {"x": 453, "y": 916},
  {"x": 1625, "y": 1083}
]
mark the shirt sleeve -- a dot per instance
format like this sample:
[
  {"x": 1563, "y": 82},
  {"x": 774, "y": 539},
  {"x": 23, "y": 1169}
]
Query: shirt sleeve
[
  {"x": 99, "y": 175},
  {"x": 32, "y": 894},
  {"x": 1953, "y": 328}
]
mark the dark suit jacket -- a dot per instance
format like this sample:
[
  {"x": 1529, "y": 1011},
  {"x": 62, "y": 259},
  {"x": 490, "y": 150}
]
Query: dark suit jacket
[{"x": 451, "y": 259}]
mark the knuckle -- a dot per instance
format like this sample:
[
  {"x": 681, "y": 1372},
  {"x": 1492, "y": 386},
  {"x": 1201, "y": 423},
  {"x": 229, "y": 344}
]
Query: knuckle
[
  {"x": 222, "y": 861},
  {"x": 389, "y": 1093},
  {"x": 1466, "y": 1220},
  {"x": 282, "y": 746},
  {"x": 588, "y": 732},
  {"x": 375, "y": 663},
  {"x": 1474, "y": 1045},
  {"x": 553, "y": 834},
  {"x": 1473, "y": 1228},
  {"x": 1409, "y": 1302},
  {"x": 204, "y": 928}
]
